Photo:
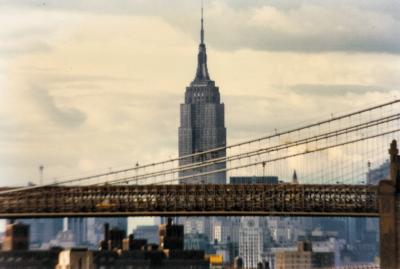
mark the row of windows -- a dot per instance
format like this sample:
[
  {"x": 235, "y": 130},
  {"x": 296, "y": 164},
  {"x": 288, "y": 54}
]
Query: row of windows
[{"x": 201, "y": 95}]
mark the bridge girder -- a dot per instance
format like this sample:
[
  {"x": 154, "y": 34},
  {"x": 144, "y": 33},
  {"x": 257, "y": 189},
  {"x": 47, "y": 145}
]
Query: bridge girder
[{"x": 192, "y": 200}]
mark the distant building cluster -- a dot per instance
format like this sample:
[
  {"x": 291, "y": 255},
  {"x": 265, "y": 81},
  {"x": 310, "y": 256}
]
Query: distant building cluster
[
  {"x": 230, "y": 242},
  {"x": 167, "y": 246},
  {"x": 116, "y": 250},
  {"x": 270, "y": 242},
  {"x": 69, "y": 232}
]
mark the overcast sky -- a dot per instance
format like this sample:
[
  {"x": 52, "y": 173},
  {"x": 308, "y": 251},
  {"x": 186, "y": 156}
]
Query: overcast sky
[{"x": 92, "y": 84}]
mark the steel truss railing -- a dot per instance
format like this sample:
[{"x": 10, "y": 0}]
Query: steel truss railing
[{"x": 199, "y": 200}]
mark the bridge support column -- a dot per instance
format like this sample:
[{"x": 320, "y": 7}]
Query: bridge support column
[{"x": 389, "y": 213}]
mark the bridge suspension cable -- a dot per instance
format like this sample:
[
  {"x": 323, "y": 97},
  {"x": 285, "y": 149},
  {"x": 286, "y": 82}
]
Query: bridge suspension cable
[
  {"x": 257, "y": 152},
  {"x": 281, "y": 158},
  {"x": 248, "y": 154},
  {"x": 252, "y": 163}
]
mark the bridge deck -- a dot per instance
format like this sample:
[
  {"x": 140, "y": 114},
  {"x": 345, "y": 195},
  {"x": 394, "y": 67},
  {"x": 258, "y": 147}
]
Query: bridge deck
[{"x": 192, "y": 200}]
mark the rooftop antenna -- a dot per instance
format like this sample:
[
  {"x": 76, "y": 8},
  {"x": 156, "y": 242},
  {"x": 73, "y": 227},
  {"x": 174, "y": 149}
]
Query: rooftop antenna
[{"x": 202, "y": 27}]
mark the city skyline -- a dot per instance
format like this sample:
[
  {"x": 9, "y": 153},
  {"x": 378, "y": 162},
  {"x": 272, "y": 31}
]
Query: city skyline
[
  {"x": 96, "y": 87},
  {"x": 76, "y": 99}
]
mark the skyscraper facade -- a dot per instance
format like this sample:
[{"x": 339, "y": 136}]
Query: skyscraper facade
[
  {"x": 250, "y": 241},
  {"x": 202, "y": 124}
]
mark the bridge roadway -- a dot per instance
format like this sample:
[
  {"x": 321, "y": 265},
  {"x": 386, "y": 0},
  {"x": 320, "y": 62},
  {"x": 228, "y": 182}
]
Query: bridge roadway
[{"x": 192, "y": 200}]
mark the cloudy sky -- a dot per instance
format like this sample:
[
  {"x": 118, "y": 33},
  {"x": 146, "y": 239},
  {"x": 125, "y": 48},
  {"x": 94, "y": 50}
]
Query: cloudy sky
[{"x": 90, "y": 85}]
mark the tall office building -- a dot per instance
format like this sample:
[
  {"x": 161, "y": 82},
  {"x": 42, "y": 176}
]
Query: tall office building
[
  {"x": 202, "y": 127},
  {"x": 234, "y": 223},
  {"x": 202, "y": 124},
  {"x": 250, "y": 241},
  {"x": 79, "y": 228}
]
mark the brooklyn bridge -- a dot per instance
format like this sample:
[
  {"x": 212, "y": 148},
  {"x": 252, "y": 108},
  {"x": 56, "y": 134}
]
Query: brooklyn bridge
[{"x": 328, "y": 186}]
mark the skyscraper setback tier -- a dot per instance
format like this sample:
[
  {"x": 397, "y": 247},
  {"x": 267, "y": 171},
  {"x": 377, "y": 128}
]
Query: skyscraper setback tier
[{"x": 202, "y": 125}]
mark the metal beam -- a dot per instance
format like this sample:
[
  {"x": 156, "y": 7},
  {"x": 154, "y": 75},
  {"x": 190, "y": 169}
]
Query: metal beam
[{"x": 193, "y": 200}]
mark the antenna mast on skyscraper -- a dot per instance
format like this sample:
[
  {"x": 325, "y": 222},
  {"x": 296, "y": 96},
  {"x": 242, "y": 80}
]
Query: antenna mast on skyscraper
[{"x": 202, "y": 27}]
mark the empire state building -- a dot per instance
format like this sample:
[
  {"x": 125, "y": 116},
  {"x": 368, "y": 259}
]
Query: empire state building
[{"x": 202, "y": 125}]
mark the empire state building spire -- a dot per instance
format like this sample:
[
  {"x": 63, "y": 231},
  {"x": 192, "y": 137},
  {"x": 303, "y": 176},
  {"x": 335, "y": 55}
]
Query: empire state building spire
[
  {"x": 202, "y": 124},
  {"x": 202, "y": 71},
  {"x": 202, "y": 26}
]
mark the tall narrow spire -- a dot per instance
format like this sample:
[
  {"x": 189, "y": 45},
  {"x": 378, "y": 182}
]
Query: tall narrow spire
[
  {"x": 202, "y": 25},
  {"x": 294, "y": 177},
  {"x": 202, "y": 71}
]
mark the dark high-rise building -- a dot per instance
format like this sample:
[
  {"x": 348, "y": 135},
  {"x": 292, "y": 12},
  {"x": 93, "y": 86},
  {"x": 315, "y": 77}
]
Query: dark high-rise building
[
  {"x": 202, "y": 124},
  {"x": 43, "y": 230},
  {"x": 16, "y": 237}
]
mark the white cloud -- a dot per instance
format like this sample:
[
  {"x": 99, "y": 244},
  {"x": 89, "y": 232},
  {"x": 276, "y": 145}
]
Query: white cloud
[
  {"x": 305, "y": 28},
  {"x": 312, "y": 26},
  {"x": 110, "y": 85}
]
